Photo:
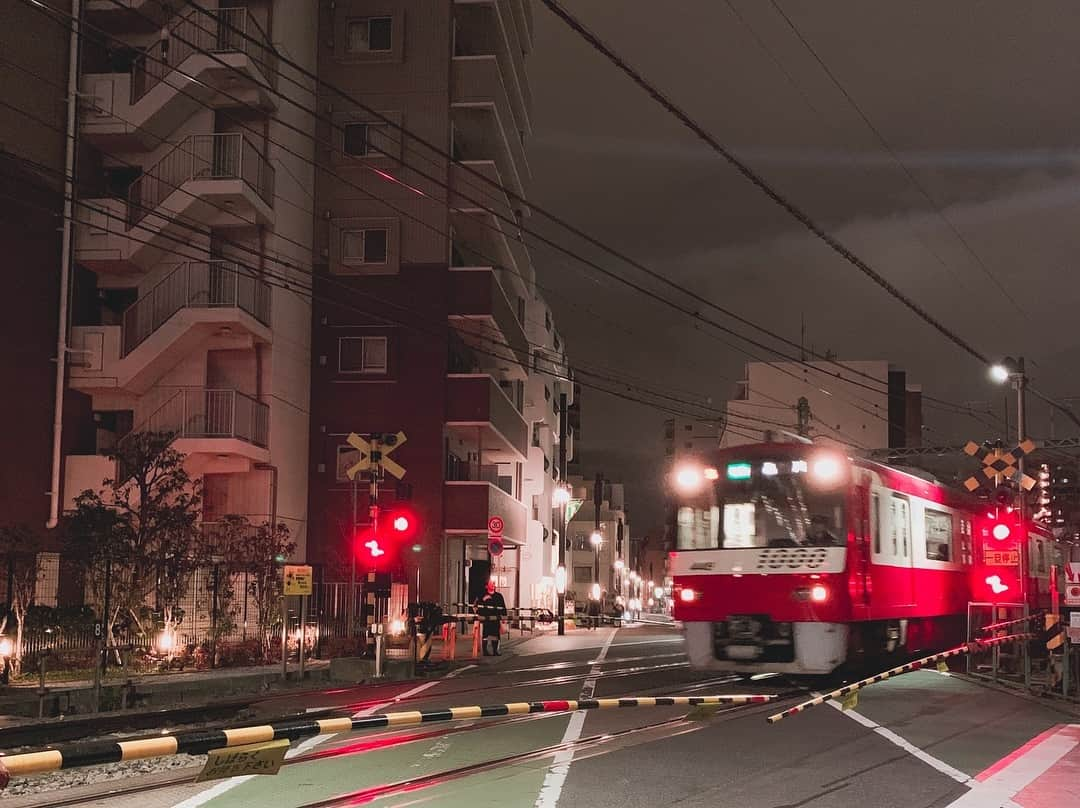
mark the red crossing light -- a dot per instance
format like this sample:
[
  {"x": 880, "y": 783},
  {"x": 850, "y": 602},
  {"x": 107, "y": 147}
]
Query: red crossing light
[{"x": 1001, "y": 531}]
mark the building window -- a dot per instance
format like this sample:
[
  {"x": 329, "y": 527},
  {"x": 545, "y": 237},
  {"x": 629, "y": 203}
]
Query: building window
[
  {"x": 689, "y": 427},
  {"x": 371, "y": 35},
  {"x": 581, "y": 542},
  {"x": 367, "y": 246},
  {"x": 583, "y": 575},
  {"x": 366, "y": 355}
]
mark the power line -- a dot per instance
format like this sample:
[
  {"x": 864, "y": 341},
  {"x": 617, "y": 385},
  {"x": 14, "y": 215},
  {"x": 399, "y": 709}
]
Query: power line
[{"x": 797, "y": 213}]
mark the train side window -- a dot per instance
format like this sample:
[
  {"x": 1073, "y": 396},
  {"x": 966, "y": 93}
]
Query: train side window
[
  {"x": 875, "y": 521},
  {"x": 901, "y": 526},
  {"x": 939, "y": 535}
]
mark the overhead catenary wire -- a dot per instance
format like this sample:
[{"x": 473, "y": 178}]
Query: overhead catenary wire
[
  {"x": 385, "y": 175},
  {"x": 383, "y": 119},
  {"x": 759, "y": 182}
]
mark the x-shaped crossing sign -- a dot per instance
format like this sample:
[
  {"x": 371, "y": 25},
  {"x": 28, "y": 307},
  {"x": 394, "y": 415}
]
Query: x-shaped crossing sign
[
  {"x": 375, "y": 453},
  {"x": 999, "y": 465}
]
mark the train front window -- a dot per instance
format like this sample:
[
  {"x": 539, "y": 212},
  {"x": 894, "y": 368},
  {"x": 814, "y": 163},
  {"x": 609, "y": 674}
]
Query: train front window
[{"x": 780, "y": 510}]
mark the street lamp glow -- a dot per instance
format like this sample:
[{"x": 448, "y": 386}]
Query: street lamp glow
[
  {"x": 560, "y": 580},
  {"x": 618, "y": 564},
  {"x": 596, "y": 591},
  {"x": 561, "y": 495},
  {"x": 999, "y": 373},
  {"x": 596, "y": 539}
]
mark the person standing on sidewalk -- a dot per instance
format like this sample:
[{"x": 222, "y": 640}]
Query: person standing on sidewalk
[{"x": 491, "y": 609}]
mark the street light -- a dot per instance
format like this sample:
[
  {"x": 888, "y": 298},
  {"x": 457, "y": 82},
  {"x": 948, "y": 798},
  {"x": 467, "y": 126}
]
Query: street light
[{"x": 561, "y": 496}]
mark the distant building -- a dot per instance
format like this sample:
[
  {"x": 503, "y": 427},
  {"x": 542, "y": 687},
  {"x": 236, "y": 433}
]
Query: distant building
[
  {"x": 862, "y": 404},
  {"x": 1064, "y": 503},
  {"x": 582, "y": 558},
  {"x": 690, "y": 436}
]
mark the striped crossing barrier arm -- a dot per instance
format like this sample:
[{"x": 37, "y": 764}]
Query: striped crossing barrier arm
[
  {"x": 997, "y": 626},
  {"x": 976, "y": 645},
  {"x": 199, "y": 742}
]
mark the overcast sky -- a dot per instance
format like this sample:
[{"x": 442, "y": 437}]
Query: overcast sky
[{"x": 976, "y": 98}]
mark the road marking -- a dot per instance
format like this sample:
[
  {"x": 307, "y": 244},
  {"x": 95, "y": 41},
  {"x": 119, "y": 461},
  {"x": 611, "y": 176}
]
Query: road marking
[
  {"x": 906, "y": 745},
  {"x": 1020, "y": 769},
  {"x": 555, "y": 778},
  {"x": 306, "y": 746},
  {"x": 456, "y": 671}
]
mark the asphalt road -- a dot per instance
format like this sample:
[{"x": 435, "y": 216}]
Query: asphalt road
[{"x": 918, "y": 740}]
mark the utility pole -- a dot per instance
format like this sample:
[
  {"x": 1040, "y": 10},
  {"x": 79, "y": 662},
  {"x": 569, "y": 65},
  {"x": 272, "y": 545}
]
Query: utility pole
[
  {"x": 562, "y": 511},
  {"x": 803, "y": 411},
  {"x": 352, "y": 561},
  {"x": 598, "y": 499}
]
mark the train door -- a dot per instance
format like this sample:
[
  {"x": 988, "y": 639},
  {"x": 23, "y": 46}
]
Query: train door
[
  {"x": 860, "y": 562},
  {"x": 903, "y": 552}
]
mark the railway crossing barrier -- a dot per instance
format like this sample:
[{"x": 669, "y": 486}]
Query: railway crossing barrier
[
  {"x": 1008, "y": 663},
  {"x": 918, "y": 664},
  {"x": 203, "y": 741}
]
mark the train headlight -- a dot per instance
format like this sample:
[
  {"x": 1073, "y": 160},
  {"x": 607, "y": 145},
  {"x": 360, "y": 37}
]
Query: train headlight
[
  {"x": 688, "y": 595},
  {"x": 826, "y": 470},
  {"x": 689, "y": 479},
  {"x": 819, "y": 593}
]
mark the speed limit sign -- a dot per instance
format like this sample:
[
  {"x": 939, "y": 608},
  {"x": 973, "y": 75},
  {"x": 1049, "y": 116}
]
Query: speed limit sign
[{"x": 495, "y": 526}]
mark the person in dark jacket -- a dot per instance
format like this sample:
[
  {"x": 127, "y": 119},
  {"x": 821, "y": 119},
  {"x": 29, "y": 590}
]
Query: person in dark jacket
[{"x": 491, "y": 609}]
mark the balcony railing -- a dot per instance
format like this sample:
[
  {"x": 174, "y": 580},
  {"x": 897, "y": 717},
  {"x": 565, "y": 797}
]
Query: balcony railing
[
  {"x": 222, "y": 156},
  {"x": 200, "y": 285},
  {"x": 224, "y": 31},
  {"x": 201, "y": 413}
]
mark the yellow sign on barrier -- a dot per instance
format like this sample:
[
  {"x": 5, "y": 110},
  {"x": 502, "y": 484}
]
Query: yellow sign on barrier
[{"x": 258, "y": 758}]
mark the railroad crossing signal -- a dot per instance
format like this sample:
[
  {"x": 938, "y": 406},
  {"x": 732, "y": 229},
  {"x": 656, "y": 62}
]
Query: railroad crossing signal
[
  {"x": 374, "y": 453},
  {"x": 999, "y": 466}
]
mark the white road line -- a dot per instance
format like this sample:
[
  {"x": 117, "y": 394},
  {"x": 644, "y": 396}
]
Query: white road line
[
  {"x": 906, "y": 745},
  {"x": 306, "y": 746},
  {"x": 1001, "y": 787},
  {"x": 457, "y": 671},
  {"x": 555, "y": 778}
]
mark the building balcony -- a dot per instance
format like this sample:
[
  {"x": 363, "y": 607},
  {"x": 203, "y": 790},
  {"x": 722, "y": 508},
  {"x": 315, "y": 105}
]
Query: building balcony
[
  {"x": 489, "y": 27},
  {"x": 206, "y": 181},
  {"x": 137, "y": 110},
  {"x": 485, "y": 127},
  {"x": 221, "y": 431},
  {"x": 141, "y": 16},
  {"x": 483, "y": 316},
  {"x": 195, "y": 303},
  {"x": 485, "y": 223},
  {"x": 479, "y": 412},
  {"x": 468, "y": 504}
]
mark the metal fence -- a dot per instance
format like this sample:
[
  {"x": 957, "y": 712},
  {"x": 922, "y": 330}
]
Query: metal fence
[
  {"x": 195, "y": 284},
  {"x": 227, "y": 30},
  {"x": 220, "y": 156}
]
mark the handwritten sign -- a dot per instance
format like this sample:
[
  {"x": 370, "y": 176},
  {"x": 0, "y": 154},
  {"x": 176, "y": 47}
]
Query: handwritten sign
[
  {"x": 258, "y": 758},
  {"x": 297, "y": 579}
]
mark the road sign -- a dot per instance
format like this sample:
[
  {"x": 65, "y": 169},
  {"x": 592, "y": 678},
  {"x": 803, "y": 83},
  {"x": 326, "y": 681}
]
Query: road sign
[
  {"x": 297, "y": 579},
  {"x": 495, "y": 526},
  {"x": 1072, "y": 584},
  {"x": 258, "y": 758},
  {"x": 495, "y": 545},
  {"x": 1001, "y": 558},
  {"x": 999, "y": 466},
  {"x": 363, "y": 447}
]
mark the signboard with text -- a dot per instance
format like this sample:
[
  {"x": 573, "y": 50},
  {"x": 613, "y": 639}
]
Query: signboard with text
[
  {"x": 1072, "y": 584},
  {"x": 297, "y": 579},
  {"x": 1001, "y": 558}
]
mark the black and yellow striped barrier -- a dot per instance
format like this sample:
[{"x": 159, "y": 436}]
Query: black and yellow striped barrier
[
  {"x": 918, "y": 664},
  {"x": 200, "y": 742},
  {"x": 1006, "y": 623},
  {"x": 1055, "y": 631}
]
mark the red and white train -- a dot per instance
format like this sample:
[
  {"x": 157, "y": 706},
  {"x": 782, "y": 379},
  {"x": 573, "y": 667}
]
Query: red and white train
[{"x": 794, "y": 558}]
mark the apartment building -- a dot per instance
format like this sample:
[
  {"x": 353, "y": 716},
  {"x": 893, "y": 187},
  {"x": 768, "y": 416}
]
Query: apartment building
[
  {"x": 685, "y": 436},
  {"x": 587, "y": 562},
  {"x": 426, "y": 307},
  {"x": 32, "y": 158},
  {"x": 192, "y": 248}
]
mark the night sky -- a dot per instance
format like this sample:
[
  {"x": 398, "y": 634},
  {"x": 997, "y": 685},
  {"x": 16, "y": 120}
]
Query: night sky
[{"x": 978, "y": 101}]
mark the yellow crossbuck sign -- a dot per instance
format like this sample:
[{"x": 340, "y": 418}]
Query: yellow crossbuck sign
[
  {"x": 999, "y": 465},
  {"x": 375, "y": 452}
]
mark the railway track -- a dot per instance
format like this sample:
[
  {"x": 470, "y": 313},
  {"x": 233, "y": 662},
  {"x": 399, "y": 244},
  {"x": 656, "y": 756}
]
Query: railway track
[{"x": 385, "y": 740}]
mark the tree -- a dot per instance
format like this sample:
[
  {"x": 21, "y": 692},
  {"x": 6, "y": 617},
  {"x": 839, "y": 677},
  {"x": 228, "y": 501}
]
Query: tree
[
  {"x": 263, "y": 551},
  {"x": 227, "y": 549},
  {"x": 140, "y": 533},
  {"x": 18, "y": 561}
]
